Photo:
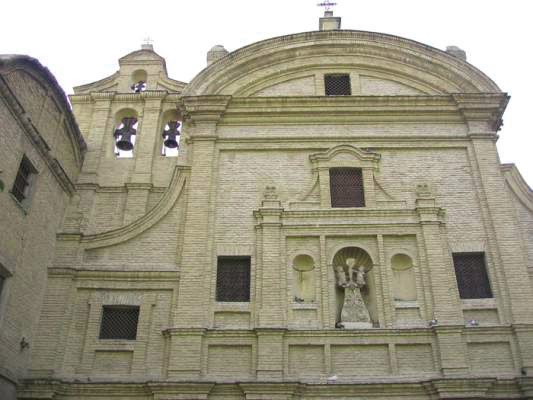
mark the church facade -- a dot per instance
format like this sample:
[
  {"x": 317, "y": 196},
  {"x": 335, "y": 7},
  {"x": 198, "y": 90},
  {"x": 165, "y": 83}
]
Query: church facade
[{"x": 318, "y": 215}]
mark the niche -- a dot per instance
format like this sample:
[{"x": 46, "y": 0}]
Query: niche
[
  {"x": 403, "y": 281},
  {"x": 352, "y": 267},
  {"x": 303, "y": 279}
]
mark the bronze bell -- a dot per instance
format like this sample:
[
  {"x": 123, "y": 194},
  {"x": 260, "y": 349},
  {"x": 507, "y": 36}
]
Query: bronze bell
[
  {"x": 171, "y": 135},
  {"x": 124, "y": 134}
]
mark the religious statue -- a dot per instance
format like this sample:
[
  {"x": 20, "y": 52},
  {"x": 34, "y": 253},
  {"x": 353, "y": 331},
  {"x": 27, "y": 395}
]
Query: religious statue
[{"x": 352, "y": 279}]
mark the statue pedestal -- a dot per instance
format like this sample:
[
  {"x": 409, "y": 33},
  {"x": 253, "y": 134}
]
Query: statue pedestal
[
  {"x": 354, "y": 314},
  {"x": 356, "y": 325}
]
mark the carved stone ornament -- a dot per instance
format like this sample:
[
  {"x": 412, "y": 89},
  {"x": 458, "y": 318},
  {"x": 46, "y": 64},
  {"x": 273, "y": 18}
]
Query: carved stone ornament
[
  {"x": 352, "y": 279},
  {"x": 270, "y": 193}
]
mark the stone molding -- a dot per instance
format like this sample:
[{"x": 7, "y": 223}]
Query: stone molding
[
  {"x": 436, "y": 387},
  {"x": 458, "y": 73}
]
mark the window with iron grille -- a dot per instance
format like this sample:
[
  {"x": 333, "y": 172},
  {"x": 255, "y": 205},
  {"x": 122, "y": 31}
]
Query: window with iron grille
[
  {"x": 346, "y": 187},
  {"x": 471, "y": 275},
  {"x": 21, "y": 186},
  {"x": 338, "y": 85},
  {"x": 119, "y": 322},
  {"x": 233, "y": 279}
]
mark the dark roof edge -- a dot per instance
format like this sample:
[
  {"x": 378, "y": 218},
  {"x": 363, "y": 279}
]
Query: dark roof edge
[{"x": 13, "y": 60}]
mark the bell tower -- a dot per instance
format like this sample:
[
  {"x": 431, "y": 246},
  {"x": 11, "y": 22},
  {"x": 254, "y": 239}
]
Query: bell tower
[{"x": 132, "y": 126}]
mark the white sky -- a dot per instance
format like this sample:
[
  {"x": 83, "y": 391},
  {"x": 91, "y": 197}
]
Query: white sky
[{"x": 81, "y": 41}]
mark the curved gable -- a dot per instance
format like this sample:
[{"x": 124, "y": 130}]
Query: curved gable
[{"x": 378, "y": 64}]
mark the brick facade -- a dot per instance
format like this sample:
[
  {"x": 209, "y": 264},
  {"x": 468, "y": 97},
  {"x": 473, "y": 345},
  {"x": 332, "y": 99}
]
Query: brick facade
[{"x": 252, "y": 180}]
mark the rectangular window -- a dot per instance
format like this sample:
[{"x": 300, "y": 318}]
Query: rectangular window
[
  {"x": 21, "y": 186},
  {"x": 471, "y": 275},
  {"x": 233, "y": 279},
  {"x": 346, "y": 187},
  {"x": 338, "y": 85},
  {"x": 119, "y": 322}
]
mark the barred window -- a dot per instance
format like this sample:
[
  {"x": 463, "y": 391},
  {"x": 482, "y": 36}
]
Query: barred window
[
  {"x": 338, "y": 85},
  {"x": 21, "y": 186},
  {"x": 471, "y": 275},
  {"x": 233, "y": 279},
  {"x": 346, "y": 187},
  {"x": 119, "y": 322}
]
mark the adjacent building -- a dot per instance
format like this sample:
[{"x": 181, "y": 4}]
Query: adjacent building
[{"x": 41, "y": 153}]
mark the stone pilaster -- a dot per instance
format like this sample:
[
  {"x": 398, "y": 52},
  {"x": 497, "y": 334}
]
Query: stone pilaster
[
  {"x": 271, "y": 303},
  {"x": 196, "y": 261},
  {"x": 95, "y": 139}
]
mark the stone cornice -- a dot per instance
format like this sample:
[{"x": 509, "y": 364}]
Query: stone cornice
[
  {"x": 204, "y": 108},
  {"x": 114, "y": 275},
  {"x": 148, "y": 95},
  {"x": 135, "y": 228},
  {"x": 487, "y": 107},
  {"x": 365, "y": 109}
]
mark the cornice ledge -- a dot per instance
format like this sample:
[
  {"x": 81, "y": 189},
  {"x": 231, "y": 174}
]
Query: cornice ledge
[
  {"x": 257, "y": 390},
  {"x": 181, "y": 389},
  {"x": 148, "y": 220},
  {"x": 102, "y": 96},
  {"x": 483, "y": 107},
  {"x": 518, "y": 185},
  {"x": 349, "y": 212},
  {"x": 458, "y": 387},
  {"x": 204, "y": 108},
  {"x": 103, "y": 274}
]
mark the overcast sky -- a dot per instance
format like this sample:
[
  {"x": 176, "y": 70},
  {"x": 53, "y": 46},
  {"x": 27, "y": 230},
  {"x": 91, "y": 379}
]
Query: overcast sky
[{"x": 81, "y": 41}]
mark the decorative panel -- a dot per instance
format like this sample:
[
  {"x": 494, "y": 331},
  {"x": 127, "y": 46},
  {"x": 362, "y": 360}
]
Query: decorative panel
[
  {"x": 415, "y": 358},
  {"x": 306, "y": 360},
  {"x": 360, "y": 360}
]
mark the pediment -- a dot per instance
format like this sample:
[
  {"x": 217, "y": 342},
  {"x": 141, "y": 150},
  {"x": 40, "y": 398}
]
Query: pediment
[
  {"x": 141, "y": 55},
  {"x": 381, "y": 65}
]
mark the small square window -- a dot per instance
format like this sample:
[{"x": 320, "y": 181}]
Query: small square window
[
  {"x": 346, "y": 187},
  {"x": 119, "y": 322},
  {"x": 233, "y": 279},
  {"x": 471, "y": 274},
  {"x": 338, "y": 85},
  {"x": 23, "y": 181}
]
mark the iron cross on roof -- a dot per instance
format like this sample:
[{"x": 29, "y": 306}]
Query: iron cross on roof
[
  {"x": 148, "y": 40},
  {"x": 327, "y": 5}
]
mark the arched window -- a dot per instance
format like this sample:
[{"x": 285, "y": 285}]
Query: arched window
[
  {"x": 404, "y": 286},
  {"x": 170, "y": 133},
  {"x": 126, "y": 124},
  {"x": 138, "y": 81}
]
